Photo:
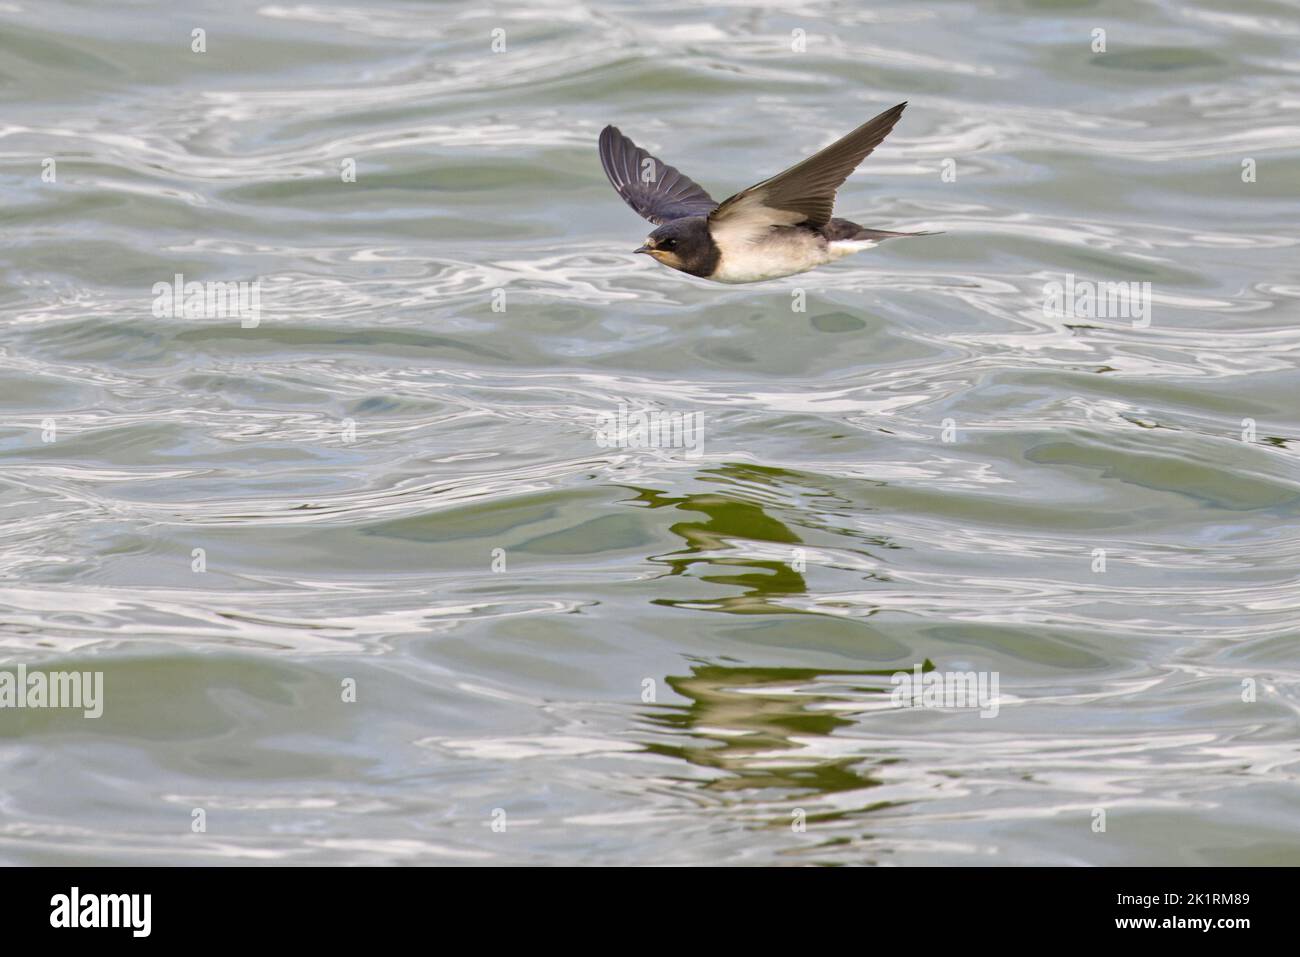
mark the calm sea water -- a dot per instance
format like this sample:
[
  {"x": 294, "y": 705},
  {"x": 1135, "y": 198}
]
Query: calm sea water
[{"x": 391, "y": 488}]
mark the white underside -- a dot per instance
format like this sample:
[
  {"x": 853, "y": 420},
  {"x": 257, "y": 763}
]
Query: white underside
[{"x": 778, "y": 255}]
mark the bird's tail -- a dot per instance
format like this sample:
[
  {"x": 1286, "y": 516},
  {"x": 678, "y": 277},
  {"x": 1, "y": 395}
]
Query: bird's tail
[{"x": 841, "y": 230}]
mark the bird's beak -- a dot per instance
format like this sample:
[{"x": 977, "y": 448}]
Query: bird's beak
[{"x": 641, "y": 249}]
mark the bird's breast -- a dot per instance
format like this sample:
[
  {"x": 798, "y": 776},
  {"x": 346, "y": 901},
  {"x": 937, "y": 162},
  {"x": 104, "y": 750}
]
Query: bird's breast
[{"x": 782, "y": 252}]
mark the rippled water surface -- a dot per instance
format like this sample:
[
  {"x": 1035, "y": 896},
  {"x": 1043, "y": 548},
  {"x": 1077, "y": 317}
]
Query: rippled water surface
[{"x": 634, "y": 655}]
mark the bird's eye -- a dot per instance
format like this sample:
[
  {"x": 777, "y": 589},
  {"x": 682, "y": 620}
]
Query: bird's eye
[{"x": 668, "y": 244}]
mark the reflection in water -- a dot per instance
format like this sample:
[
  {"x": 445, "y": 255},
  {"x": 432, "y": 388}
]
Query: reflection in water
[
  {"x": 763, "y": 726},
  {"x": 710, "y": 541},
  {"x": 732, "y": 536}
]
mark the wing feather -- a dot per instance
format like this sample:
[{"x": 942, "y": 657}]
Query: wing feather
[
  {"x": 805, "y": 193},
  {"x": 654, "y": 189}
]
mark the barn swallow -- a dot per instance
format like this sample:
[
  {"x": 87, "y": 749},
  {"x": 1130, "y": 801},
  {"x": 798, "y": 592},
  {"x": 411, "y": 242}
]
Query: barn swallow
[{"x": 778, "y": 227}]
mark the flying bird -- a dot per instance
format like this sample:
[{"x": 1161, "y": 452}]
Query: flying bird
[{"x": 778, "y": 227}]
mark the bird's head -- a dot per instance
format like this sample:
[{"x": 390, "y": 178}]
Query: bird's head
[{"x": 682, "y": 244}]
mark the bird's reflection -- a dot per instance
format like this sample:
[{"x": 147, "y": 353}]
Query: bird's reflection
[
  {"x": 761, "y": 726},
  {"x": 723, "y": 534}
]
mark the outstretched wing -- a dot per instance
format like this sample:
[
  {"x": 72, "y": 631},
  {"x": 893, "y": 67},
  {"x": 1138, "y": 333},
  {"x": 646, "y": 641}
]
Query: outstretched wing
[
  {"x": 653, "y": 188},
  {"x": 803, "y": 194}
]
